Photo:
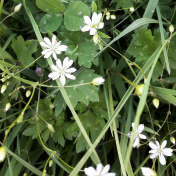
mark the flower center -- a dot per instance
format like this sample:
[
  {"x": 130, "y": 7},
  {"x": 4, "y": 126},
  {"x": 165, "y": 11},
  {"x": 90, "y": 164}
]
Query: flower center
[
  {"x": 62, "y": 72},
  {"x": 159, "y": 151},
  {"x": 95, "y": 25},
  {"x": 53, "y": 48}
]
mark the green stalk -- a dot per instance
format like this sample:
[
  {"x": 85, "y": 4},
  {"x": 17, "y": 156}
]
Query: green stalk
[
  {"x": 1, "y": 6},
  {"x": 115, "y": 128}
]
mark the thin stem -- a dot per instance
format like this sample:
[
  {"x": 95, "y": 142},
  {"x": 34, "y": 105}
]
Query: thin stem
[
  {"x": 153, "y": 163},
  {"x": 1, "y": 6}
]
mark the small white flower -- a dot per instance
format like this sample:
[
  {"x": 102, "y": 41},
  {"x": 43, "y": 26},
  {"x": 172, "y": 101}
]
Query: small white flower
[
  {"x": 138, "y": 135},
  {"x": 53, "y": 47},
  {"x": 160, "y": 150},
  {"x": 131, "y": 9},
  {"x": 146, "y": 171},
  {"x": 94, "y": 24},
  {"x": 62, "y": 71},
  {"x": 100, "y": 171}
]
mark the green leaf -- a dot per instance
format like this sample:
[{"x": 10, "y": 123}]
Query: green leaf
[
  {"x": 50, "y": 6},
  {"x": 102, "y": 35},
  {"x": 94, "y": 7},
  {"x": 73, "y": 16},
  {"x": 166, "y": 11},
  {"x": 124, "y": 4},
  {"x": 24, "y": 50},
  {"x": 50, "y": 22}
]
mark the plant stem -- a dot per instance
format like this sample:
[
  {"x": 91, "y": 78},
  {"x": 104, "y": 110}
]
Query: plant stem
[{"x": 1, "y": 6}]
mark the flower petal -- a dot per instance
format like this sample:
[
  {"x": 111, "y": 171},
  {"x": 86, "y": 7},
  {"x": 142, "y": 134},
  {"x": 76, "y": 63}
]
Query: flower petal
[
  {"x": 99, "y": 168},
  {"x": 55, "y": 68},
  {"x": 87, "y": 20},
  {"x": 62, "y": 48},
  {"x": 54, "y": 55},
  {"x": 63, "y": 79},
  {"x": 101, "y": 25},
  {"x": 70, "y": 76},
  {"x": 85, "y": 28},
  {"x": 158, "y": 145},
  {"x": 58, "y": 51},
  {"x": 53, "y": 74},
  {"x": 167, "y": 151},
  {"x": 163, "y": 145},
  {"x": 133, "y": 125},
  {"x": 47, "y": 41},
  {"x": 162, "y": 159},
  {"x": 153, "y": 146},
  {"x": 93, "y": 31},
  {"x": 70, "y": 70},
  {"x": 44, "y": 44},
  {"x": 96, "y": 18},
  {"x": 146, "y": 171},
  {"x": 136, "y": 142},
  {"x": 57, "y": 76},
  {"x": 53, "y": 40},
  {"x": 153, "y": 151},
  {"x": 153, "y": 155},
  {"x": 45, "y": 51},
  {"x": 142, "y": 136},
  {"x": 65, "y": 63},
  {"x": 90, "y": 171},
  {"x": 59, "y": 64},
  {"x": 48, "y": 54},
  {"x": 105, "y": 170},
  {"x": 110, "y": 174},
  {"x": 140, "y": 128}
]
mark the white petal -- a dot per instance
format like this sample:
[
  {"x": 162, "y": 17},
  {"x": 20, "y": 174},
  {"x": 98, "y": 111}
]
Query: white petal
[
  {"x": 96, "y": 18},
  {"x": 59, "y": 64},
  {"x": 85, "y": 28},
  {"x": 70, "y": 70},
  {"x": 153, "y": 151},
  {"x": 140, "y": 128},
  {"x": 153, "y": 155},
  {"x": 133, "y": 125},
  {"x": 146, "y": 171},
  {"x": 62, "y": 48},
  {"x": 90, "y": 171},
  {"x": 53, "y": 74},
  {"x": 48, "y": 54},
  {"x": 44, "y": 44},
  {"x": 54, "y": 55},
  {"x": 57, "y": 44},
  {"x": 87, "y": 20},
  {"x": 142, "y": 136},
  {"x": 53, "y": 40},
  {"x": 63, "y": 79},
  {"x": 158, "y": 145},
  {"x": 99, "y": 168},
  {"x": 45, "y": 51},
  {"x": 55, "y": 68},
  {"x": 93, "y": 31},
  {"x": 163, "y": 145},
  {"x": 167, "y": 151},
  {"x": 110, "y": 174},
  {"x": 162, "y": 159},
  {"x": 101, "y": 25},
  {"x": 70, "y": 76},
  {"x": 136, "y": 142},
  {"x": 57, "y": 51},
  {"x": 105, "y": 170},
  {"x": 57, "y": 76},
  {"x": 153, "y": 146},
  {"x": 47, "y": 41},
  {"x": 65, "y": 63}
]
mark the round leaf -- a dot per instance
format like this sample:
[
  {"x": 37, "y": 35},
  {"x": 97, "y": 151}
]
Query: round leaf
[
  {"x": 50, "y": 22},
  {"x": 73, "y": 16}
]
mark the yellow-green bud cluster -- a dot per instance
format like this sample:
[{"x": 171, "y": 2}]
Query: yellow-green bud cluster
[{"x": 108, "y": 16}]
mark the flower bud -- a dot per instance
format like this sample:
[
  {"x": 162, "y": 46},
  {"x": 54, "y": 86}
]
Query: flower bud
[
  {"x": 172, "y": 139},
  {"x": 139, "y": 89},
  {"x": 100, "y": 46},
  {"x": 3, "y": 79},
  {"x": 51, "y": 106},
  {"x": 28, "y": 93},
  {"x": 17, "y": 8},
  {"x": 171, "y": 28},
  {"x": 146, "y": 171},
  {"x": 3, "y": 88},
  {"x": 131, "y": 9},
  {"x": 50, "y": 127},
  {"x": 8, "y": 82},
  {"x": 113, "y": 17},
  {"x": 8, "y": 105},
  {"x": 98, "y": 81},
  {"x": 2, "y": 153},
  {"x": 20, "y": 117},
  {"x": 39, "y": 71},
  {"x": 107, "y": 13},
  {"x": 44, "y": 173},
  {"x": 50, "y": 163},
  {"x": 3, "y": 74},
  {"x": 96, "y": 39},
  {"x": 156, "y": 102},
  {"x": 108, "y": 17},
  {"x": 53, "y": 96},
  {"x": 24, "y": 174}
]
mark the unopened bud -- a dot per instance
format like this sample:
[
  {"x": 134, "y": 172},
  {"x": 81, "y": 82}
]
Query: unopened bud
[
  {"x": 24, "y": 174},
  {"x": 2, "y": 153},
  {"x": 96, "y": 39},
  {"x": 100, "y": 46},
  {"x": 3, "y": 79},
  {"x": 8, "y": 82},
  {"x": 172, "y": 139},
  {"x": 20, "y": 118},
  {"x": 44, "y": 173},
  {"x": 51, "y": 106},
  {"x": 107, "y": 13},
  {"x": 3, "y": 74},
  {"x": 53, "y": 96},
  {"x": 113, "y": 17},
  {"x": 156, "y": 102},
  {"x": 171, "y": 28},
  {"x": 50, "y": 163},
  {"x": 98, "y": 81},
  {"x": 146, "y": 171},
  {"x": 39, "y": 71},
  {"x": 8, "y": 105},
  {"x": 28, "y": 93},
  {"x": 50, "y": 127},
  {"x": 17, "y": 8},
  {"x": 3, "y": 88},
  {"x": 131, "y": 9},
  {"x": 139, "y": 89}
]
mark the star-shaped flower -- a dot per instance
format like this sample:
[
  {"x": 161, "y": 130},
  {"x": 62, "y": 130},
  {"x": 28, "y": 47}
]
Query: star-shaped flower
[
  {"x": 62, "y": 71},
  {"x": 53, "y": 47},
  {"x": 138, "y": 135},
  {"x": 160, "y": 150},
  {"x": 100, "y": 171},
  {"x": 94, "y": 24}
]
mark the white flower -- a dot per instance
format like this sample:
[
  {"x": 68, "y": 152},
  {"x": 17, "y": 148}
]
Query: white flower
[
  {"x": 98, "y": 81},
  {"x": 62, "y": 71},
  {"x": 146, "y": 171},
  {"x": 93, "y": 25},
  {"x": 100, "y": 171},
  {"x": 53, "y": 47},
  {"x": 138, "y": 135},
  {"x": 160, "y": 150},
  {"x": 131, "y": 9}
]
